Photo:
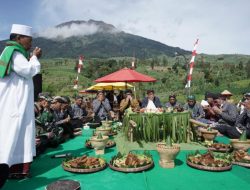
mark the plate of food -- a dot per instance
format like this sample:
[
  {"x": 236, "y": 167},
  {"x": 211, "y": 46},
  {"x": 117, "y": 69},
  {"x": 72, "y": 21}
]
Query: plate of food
[
  {"x": 241, "y": 158},
  {"x": 209, "y": 161},
  {"x": 109, "y": 144},
  {"x": 220, "y": 147},
  {"x": 84, "y": 164},
  {"x": 131, "y": 162}
]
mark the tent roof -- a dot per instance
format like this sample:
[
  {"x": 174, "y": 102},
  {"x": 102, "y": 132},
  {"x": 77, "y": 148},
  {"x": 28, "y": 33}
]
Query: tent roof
[{"x": 126, "y": 75}]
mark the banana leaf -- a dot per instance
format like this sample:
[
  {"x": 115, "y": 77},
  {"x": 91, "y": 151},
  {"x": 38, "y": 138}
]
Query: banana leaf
[{"x": 152, "y": 127}]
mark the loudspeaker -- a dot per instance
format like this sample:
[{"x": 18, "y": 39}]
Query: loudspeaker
[{"x": 37, "y": 80}]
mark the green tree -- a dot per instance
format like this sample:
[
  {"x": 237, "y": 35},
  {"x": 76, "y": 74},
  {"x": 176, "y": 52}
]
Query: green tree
[
  {"x": 152, "y": 64},
  {"x": 174, "y": 67},
  {"x": 163, "y": 80},
  {"x": 240, "y": 65},
  {"x": 165, "y": 61},
  {"x": 217, "y": 82},
  {"x": 248, "y": 69},
  {"x": 208, "y": 76}
]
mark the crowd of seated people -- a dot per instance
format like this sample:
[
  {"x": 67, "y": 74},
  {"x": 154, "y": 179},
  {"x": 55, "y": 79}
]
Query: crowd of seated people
[
  {"x": 217, "y": 109},
  {"x": 231, "y": 121},
  {"x": 223, "y": 115},
  {"x": 58, "y": 120}
]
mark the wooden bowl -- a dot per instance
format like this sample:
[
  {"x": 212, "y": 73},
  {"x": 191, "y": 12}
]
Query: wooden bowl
[{"x": 240, "y": 145}]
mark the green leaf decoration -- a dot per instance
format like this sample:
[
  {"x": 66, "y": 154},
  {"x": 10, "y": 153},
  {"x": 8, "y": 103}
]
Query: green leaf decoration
[
  {"x": 99, "y": 136},
  {"x": 243, "y": 136},
  {"x": 169, "y": 141}
]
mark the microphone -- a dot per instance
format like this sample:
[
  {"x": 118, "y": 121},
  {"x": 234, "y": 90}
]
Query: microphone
[{"x": 61, "y": 155}]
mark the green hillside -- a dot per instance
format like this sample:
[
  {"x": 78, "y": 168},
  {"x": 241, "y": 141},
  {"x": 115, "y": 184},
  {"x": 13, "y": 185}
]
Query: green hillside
[{"x": 211, "y": 73}]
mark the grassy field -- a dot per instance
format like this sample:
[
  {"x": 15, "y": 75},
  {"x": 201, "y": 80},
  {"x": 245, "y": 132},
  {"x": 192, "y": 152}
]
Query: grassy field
[{"x": 211, "y": 73}]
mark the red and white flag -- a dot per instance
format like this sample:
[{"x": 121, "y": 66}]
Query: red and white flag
[
  {"x": 191, "y": 65},
  {"x": 79, "y": 68},
  {"x": 80, "y": 64}
]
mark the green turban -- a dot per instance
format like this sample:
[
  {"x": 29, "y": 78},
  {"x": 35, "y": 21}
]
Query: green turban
[{"x": 191, "y": 97}]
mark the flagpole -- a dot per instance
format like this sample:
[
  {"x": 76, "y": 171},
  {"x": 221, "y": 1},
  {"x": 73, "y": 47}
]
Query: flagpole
[
  {"x": 79, "y": 67},
  {"x": 191, "y": 67}
]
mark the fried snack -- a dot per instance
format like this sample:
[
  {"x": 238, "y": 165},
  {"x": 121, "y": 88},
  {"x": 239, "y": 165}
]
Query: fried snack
[{"x": 84, "y": 162}]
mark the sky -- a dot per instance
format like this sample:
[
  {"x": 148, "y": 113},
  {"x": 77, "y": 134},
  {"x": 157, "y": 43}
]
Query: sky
[{"x": 222, "y": 26}]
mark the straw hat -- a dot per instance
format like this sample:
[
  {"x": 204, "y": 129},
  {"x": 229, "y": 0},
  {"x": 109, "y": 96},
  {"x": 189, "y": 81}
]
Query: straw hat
[{"x": 226, "y": 93}]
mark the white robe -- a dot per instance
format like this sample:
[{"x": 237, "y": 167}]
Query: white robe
[{"x": 17, "y": 126}]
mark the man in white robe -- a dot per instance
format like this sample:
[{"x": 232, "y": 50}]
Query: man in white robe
[{"x": 17, "y": 127}]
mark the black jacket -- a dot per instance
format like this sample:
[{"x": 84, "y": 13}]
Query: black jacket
[{"x": 156, "y": 101}]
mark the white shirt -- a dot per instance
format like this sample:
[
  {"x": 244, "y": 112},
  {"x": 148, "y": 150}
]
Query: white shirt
[{"x": 151, "y": 106}]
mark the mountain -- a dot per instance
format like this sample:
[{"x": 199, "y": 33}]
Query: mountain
[{"x": 97, "y": 39}]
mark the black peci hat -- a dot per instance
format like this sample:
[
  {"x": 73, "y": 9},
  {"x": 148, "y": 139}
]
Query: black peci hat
[
  {"x": 172, "y": 96},
  {"x": 128, "y": 91},
  {"x": 149, "y": 91},
  {"x": 209, "y": 95}
]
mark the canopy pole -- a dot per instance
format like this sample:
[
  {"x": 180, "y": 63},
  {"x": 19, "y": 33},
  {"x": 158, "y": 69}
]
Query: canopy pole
[{"x": 134, "y": 89}]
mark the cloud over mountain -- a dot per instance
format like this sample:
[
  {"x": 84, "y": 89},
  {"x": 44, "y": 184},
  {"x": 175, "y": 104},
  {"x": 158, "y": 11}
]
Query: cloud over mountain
[{"x": 76, "y": 28}]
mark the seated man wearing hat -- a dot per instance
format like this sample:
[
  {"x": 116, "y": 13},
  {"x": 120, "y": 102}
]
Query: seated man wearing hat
[
  {"x": 226, "y": 95},
  {"x": 194, "y": 107},
  {"x": 129, "y": 102},
  {"x": 39, "y": 104},
  {"x": 62, "y": 118},
  {"x": 44, "y": 116},
  {"x": 151, "y": 103},
  {"x": 17, "y": 141},
  {"x": 173, "y": 104},
  {"x": 50, "y": 134}
]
